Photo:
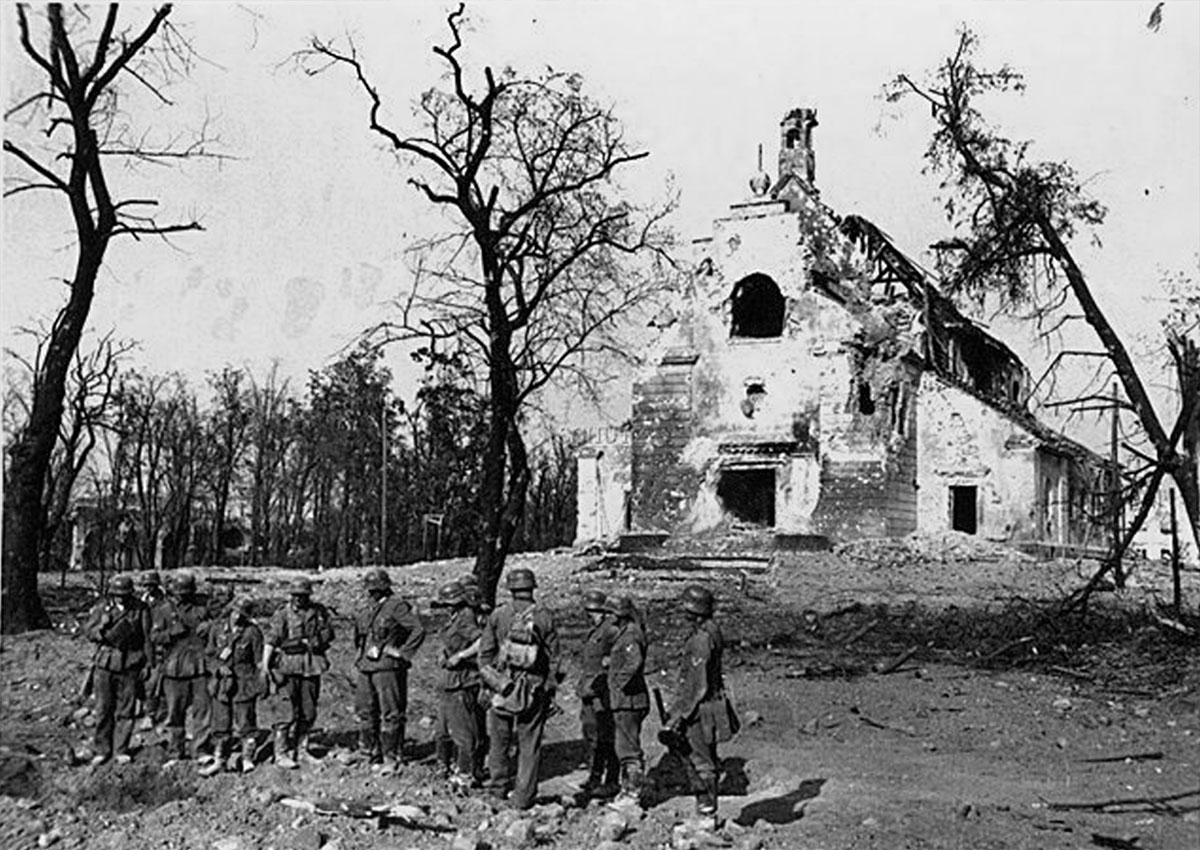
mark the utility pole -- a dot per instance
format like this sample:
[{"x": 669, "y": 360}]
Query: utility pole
[
  {"x": 383, "y": 455},
  {"x": 1114, "y": 490}
]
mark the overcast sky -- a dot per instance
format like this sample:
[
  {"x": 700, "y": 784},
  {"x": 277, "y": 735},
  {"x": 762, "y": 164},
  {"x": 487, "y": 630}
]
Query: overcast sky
[{"x": 305, "y": 230}]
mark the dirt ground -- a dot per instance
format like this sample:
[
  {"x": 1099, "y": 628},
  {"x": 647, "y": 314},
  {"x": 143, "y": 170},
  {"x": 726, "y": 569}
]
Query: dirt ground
[{"x": 894, "y": 694}]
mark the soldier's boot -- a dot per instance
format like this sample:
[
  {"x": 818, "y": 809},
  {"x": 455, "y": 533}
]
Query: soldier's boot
[
  {"x": 391, "y": 742},
  {"x": 249, "y": 750},
  {"x": 444, "y": 748},
  {"x": 706, "y": 800},
  {"x": 304, "y": 751},
  {"x": 177, "y": 747},
  {"x": 122, "y": 736},
  {"x": 215, "y": 764},
  {"x": 283, "y": 758}
]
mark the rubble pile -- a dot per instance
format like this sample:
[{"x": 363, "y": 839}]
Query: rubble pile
[{"x": 951, "y": 547}]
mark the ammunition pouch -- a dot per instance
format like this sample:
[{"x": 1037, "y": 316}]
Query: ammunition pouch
[{"x": 293, "y": 647}]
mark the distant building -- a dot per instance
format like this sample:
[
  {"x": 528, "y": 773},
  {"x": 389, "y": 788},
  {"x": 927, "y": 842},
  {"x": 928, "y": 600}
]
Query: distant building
[{"x": 817, "y": 382}]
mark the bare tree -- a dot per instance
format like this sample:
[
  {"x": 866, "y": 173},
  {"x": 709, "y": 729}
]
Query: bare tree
[
  {"x": 87, "y": 409},
  {"x": 539, "y": 276},
  {"x": 227, "y": 425},
  {"x": 64, "y": 137},
  {"x": 1014, "y": 220}
]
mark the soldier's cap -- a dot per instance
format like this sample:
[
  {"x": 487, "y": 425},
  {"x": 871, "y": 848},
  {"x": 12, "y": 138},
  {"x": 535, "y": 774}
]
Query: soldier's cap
[
  {"x": 450, "y": 593},
  {"x": 595, "y": 600},
  {"x": 468, "y": 580},
  {"x": 151, "y": 579},
  {"x": 120, "y": 586},
  {"x": 300, "y": 587},
  {"x": 183, "y": 582},
  {"x": 244, "y": 605}
]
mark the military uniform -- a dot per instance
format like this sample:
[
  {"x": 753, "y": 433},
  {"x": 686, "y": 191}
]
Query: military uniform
[
  {"x": 152, "y": 597},
  {"x": 180, "y": 631},
  {"x": 520, "y": 716},
  {"x": 296, "y": 642},
  {"x": 595, "y": 710},
  {"x": 121, "y": 632},
  {"x": 387, "y": 634},
  {"x": 234, "y": 650},
  {"x": 458, "y": 685},
  {"x": 699, "y": 715},
  {"x": 629, "y": 696}
]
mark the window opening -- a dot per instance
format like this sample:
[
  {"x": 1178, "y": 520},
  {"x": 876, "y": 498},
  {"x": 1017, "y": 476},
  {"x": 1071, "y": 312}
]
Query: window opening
[
  {"x": 866, "y": 404},
  {"x": 963, "y": 506},
  {"x": 758, "y": 308}
]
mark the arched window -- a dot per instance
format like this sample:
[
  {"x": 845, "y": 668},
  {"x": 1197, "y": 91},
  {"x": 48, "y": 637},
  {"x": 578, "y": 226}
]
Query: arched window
[{"x": 757, "y": 308}]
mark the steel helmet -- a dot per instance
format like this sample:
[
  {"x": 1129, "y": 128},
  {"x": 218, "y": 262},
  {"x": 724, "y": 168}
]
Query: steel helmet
[
  {"x": 152, "y": 579},
  {"x": 377, "y": 579},
  {"x": 595, "y": 600},
  {"x": 521, "y": 579},
  {"x": 450, "y": 593},
  {"x": 698, "y": 600},
  {"x": 120, "y": 586},
  {"x": 244, "y": 605},
  {"x": 183, "y": 582},
  {"x": 622, "y": 606},
  {"x": 300, "y": 587}
]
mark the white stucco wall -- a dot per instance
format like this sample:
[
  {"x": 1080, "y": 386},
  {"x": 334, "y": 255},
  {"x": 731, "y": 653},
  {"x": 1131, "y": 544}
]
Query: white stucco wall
[{"x": 963, "y": 442}]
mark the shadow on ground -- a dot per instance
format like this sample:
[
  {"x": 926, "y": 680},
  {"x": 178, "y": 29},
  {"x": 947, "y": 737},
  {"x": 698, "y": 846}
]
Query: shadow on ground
[{"x": 783, "y": 809}]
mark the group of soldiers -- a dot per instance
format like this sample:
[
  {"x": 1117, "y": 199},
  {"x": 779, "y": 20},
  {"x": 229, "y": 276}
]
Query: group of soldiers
[{"x": 499, "y": 673}]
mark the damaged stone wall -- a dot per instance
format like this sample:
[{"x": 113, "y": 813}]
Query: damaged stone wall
[
  {"x": 663, "y": 487},
  {"x": 964, "y": 446}
]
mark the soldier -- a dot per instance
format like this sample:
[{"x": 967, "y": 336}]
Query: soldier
[
  {"x": 217, "y": 604},
  {"x": 179, "y": 631},
  {"x": 699, "y": 718},
  {"x": 595, "y": 711},
  {"x": 628, "y": 694},
  {"x": 152, "y": 591},
  {"x": 120, "y": 628},
  {"x": 387, "y": 634},
  {"x": 152, "y": 597},
  {"x": 235, "y": 644},
  {"x": 480, "y": 610},
  {"x": 519, "y": 662},
  {"x": 297, "y": 638},
  {"x": 458, "y": 710}
]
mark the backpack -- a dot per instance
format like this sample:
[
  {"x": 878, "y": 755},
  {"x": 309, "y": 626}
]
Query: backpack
[{"x": 520, "y": 648}]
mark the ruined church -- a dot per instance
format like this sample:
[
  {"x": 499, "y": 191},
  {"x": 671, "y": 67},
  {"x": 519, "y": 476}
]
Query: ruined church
[{"x": 818, "y": 385}]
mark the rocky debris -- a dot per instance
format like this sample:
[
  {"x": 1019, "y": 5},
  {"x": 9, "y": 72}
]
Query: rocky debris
[
  {"x": 467, "y": 839},
  {"x": 233, "y": 842},
  {"x": 613, "y": 825},
  {"x": 520, "y": 832},
  {"x": 942, "y": 548},
  {"x": 306, "y": 838},
  {"x": 698, "y": 834}
]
